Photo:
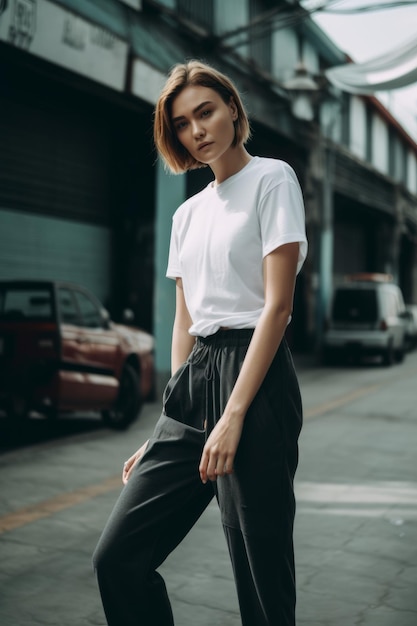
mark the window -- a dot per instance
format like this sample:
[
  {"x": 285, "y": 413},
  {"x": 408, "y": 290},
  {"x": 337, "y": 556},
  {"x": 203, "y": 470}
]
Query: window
[
  {"x": 393, "y": 306},
  {"x": 19, "y": 303},
  {"x": 67, "y": 308},
  {"x": 260, "y": 37},
  {"x": 391, "y": 152},
  {"x": 199, "y": 11},
  {"x": 345, "y": 113},
  {"x": 403, "y": 159},
  {"x": 369, "y": 137},
  {"x": 90, "y": 313}
]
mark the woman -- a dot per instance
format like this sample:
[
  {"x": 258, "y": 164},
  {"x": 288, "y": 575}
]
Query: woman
[{"x": 232, "y": 410}]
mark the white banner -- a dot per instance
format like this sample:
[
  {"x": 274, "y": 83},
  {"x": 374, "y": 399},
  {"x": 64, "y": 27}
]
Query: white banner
[
  {"x": 392, "y": 70},
  {"x": 59, "y": 36}
]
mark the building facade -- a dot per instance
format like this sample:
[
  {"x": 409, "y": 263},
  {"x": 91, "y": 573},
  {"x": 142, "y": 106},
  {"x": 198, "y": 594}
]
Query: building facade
[{"x": 83, "y": 196}]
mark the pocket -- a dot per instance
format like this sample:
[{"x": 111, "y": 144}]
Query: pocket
[
  {"x": 183, "y": 399},
  {"x": 170, "y": 386}
]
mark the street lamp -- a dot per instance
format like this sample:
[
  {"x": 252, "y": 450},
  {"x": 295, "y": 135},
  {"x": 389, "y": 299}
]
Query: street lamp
[{"x": 303, "y": 91}]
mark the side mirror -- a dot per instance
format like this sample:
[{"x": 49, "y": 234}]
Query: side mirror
[
  {"x": 105, "y": 318},
  {"x": 128, "y": 316}
]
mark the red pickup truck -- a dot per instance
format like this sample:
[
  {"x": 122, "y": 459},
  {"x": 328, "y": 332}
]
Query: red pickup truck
[{"x": 59, "y": 352}]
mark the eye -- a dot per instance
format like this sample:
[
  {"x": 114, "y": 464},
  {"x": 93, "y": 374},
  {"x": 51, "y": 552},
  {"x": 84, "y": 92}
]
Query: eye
[
  {"x": 180, "y": 125},
  {"x": 205, "y": 113}
]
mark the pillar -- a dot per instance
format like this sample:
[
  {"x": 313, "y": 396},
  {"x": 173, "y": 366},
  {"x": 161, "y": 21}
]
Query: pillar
[{"x": 170, "y": 193}]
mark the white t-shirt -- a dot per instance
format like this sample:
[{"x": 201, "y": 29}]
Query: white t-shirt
[{"x": 220, "y": 236}]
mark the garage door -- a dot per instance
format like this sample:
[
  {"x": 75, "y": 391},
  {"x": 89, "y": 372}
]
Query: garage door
[
  {"x": 43, "y": 247},
  {"x": 55, "y": 182}
]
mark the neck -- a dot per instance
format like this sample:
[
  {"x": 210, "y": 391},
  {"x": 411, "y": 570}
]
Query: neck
[{"x": 230, "y": 163}]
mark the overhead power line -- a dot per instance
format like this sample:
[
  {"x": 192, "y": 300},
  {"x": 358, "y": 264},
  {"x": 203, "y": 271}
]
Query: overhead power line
[{"x": 286, "y": 15}]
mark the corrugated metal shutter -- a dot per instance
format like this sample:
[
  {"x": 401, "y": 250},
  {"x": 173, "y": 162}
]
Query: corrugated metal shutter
[
  {"x": 52, "y": 162},
  {"x": 202, "y": 13},
  {"x": 43, "y": 247},
  {"x": 55, "y": 183}
]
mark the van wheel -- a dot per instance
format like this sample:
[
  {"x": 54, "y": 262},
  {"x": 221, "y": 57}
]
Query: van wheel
[
  {"x": 388, "y": 355},
  {"x": 329, "y": 357},
  {"x": 128, "y": 403},
  {"x": 399, "y": 355}
]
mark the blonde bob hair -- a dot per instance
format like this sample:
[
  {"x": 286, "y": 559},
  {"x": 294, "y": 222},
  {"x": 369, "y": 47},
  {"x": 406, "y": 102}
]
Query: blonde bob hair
[{"x": 194, "y": 73}]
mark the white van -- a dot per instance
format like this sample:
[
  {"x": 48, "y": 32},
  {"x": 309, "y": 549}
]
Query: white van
[{"x": 366, "y": 317}]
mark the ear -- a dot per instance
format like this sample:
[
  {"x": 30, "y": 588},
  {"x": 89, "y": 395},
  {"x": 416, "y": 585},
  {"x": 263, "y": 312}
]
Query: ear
[{"x": 233, "y": 109}]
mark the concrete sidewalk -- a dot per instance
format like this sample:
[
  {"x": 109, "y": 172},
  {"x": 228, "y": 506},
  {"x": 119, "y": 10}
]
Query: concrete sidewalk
[{"x": 356, "y": 526}]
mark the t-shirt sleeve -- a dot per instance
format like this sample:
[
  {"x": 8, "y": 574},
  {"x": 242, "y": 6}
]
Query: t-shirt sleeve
[
  {"x": 173, "y": 269},
  {"x": 282, "y": 218}
]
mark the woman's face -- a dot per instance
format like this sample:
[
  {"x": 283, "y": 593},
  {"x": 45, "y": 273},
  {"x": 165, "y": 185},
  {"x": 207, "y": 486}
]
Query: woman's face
[{"x": 203, "y": 123}]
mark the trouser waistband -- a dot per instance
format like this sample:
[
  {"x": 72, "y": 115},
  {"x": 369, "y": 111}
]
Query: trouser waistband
[{"x": 229, "y": 337}]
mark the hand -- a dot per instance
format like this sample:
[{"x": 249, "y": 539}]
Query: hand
[
  {"x": 220, "y": 449},
  {"x": 131, "y": 462}
]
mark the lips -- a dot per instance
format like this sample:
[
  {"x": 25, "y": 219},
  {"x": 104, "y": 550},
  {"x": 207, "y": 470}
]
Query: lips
[{"x": 204, "y": 145}]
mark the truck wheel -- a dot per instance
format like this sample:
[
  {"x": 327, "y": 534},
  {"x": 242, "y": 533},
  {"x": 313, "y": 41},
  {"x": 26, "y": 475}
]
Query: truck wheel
[
  {"x": 51, "y": 414},
  {"x": 17, "y": 407},
  {"x": 128, "y": 403}
]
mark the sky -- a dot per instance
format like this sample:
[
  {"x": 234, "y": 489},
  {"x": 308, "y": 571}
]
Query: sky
[{"x": 367, "y": 35}]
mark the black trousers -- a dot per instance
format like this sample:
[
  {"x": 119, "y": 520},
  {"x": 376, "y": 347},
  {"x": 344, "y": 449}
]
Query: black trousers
[{"x": 165, "y": 496}]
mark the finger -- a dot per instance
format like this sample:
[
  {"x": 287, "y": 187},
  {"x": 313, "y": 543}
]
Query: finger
[
  {"x": 128, "y": 472},
  {"x": 127, "y": 468},
  {"x": 202, "y": 468},
  {"x": 228, "y": 464},
  {"x": 221, "y": 465},
  {"x": 211, "y": 467}
]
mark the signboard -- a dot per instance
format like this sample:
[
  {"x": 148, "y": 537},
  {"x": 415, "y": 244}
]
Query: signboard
[
  {"x": 147, "y": 82},
  {"x": 53, "y": 33}
]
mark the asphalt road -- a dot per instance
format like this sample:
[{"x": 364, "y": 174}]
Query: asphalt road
[{"x": 356, "y": 525}]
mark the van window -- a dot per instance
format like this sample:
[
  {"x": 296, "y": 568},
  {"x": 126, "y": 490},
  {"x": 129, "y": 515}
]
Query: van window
[{"x": 355, "y": 305}]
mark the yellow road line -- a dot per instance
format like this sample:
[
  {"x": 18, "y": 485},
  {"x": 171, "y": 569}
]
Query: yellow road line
[
  {"x": 63, "y": 501},
  {"x": 321, "y": 409}
]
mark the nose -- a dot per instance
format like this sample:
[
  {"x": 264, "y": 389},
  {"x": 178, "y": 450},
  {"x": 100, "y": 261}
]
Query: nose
[{"x": 197, "y": 128}]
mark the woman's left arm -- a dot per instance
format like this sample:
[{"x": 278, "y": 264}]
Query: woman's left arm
[{"x": 279, "y": 268}]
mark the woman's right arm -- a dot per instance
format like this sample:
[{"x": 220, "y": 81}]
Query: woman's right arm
[
  {"x": 182, "y": 344},
  {"x": 182, "y": 341}
]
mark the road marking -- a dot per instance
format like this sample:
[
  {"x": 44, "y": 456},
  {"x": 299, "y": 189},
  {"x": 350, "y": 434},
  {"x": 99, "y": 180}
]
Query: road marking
[
  {"x": 47, "y": 508},
  {"x": 322, "y": 409},
  {"x": 63, "y": 501}
]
